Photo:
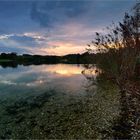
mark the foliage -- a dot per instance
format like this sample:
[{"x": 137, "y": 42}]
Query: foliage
[
  {"x": 13, "y": 60},
  {"x": 120, "y": 48}
]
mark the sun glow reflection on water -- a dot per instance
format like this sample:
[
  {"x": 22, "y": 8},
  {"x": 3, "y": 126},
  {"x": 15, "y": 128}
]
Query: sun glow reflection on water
[
  {"x": 66, "y": 70},
  {"x": 32, "y": 79}
]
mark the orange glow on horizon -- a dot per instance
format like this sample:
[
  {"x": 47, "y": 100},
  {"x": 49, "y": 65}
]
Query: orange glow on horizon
[{"x": 63, "y": 48}]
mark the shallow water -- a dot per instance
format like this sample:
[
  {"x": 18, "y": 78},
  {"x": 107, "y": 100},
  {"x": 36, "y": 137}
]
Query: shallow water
[{"x": 55, "y": 101}]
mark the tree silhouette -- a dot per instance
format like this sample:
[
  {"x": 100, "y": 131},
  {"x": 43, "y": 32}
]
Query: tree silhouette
[
  {"x": 120, "y": 48},
  {"x": 118, "y": 53}
]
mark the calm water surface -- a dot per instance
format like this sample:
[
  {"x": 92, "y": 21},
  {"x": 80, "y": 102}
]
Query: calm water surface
[
  {"x": 54, "y": 101},
  {"x": 30, "y": 80}
]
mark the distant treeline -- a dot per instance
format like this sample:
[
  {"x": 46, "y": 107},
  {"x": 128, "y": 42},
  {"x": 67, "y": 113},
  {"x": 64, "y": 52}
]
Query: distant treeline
[{"x": 13, "y": 59}]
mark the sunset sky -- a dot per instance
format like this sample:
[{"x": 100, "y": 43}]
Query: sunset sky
[{"x": 55, "y": 27}]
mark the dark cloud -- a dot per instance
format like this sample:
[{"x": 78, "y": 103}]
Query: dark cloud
[
  {"x": 25, "y": 40},
  {"x": 66, "y": 23},
  {"x": 21, "y": 43},
  {"x": 39, "y": 16},
  {"x": 15, "y": 17},
  {"x": 12, "y": 49},
  {"x": 73, "y": 8},
  {"x": 52, "y": 12}
]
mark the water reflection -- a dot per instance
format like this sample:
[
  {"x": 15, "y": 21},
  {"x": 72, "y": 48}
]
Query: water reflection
[
  {"x": 91, "y": 72},
  {"x": 54, "y": 102},
  {"x": 35, "y": 79},
  {"x": 63, "y": 69}
]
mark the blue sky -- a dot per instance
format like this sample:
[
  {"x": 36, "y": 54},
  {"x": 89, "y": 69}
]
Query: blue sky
[{"x": 56, "y": 27}]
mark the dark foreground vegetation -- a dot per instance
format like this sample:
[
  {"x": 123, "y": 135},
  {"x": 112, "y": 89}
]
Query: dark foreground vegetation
[{"x": 119, "y": 59}]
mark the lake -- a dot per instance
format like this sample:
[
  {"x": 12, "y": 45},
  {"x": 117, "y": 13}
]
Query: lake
[{"x": 56, "y": 101}]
